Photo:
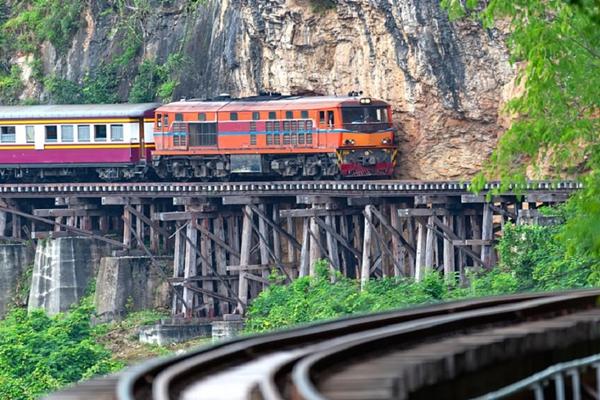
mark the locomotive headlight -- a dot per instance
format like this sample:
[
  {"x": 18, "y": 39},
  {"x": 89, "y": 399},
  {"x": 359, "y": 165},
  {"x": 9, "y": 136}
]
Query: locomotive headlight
[
  {"x": 365, "y": 100},
  {"x": 386, "y": 141},
  {"x": 349, "y": 142}
]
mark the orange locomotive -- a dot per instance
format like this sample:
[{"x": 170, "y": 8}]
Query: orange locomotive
[{"x": 288, "y": 136}]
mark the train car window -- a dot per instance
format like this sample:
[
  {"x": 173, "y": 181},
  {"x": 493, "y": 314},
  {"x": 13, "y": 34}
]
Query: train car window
[
  {"x": 116, "y": 133},
  {"x": 233, "y": 116},
  {"x": 30, "y": 134},
  {"x": 304, "y": 114},
  {"x": 322, "y": 117},
  {"x": 201, "y": 116},
  {"x": 100, "y": 133},
  {"x": 289, "y": 115},
  {"x": 166, "y": 121},
  {"x": 8, "y": 134},
  {"x": 83, "y": 133},
  {"x": 255, "y": 116},
  {"x": 178, "y": 117},
  {"x": 51, "y": 133},
  {"x": 253, "y": 132},
  {"x": 330, "y": 119},
  {"x": 159, "y": 120},
  {"x": 66, "y": 133},
  {"x": 272, "y": 115}
]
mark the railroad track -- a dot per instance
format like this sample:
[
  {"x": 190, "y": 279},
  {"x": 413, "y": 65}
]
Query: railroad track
[
  {"x": 343, "y": 188},
  {"x": 455, "y": 350}
]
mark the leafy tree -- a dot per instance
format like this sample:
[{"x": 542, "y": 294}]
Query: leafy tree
[{"x": 556, "y": 44}]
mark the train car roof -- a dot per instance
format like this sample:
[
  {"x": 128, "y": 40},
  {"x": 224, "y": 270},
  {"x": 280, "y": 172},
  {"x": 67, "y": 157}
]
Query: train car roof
[
  {"x": 77, "y": 111},
  {"x": 283, "y": 103}
]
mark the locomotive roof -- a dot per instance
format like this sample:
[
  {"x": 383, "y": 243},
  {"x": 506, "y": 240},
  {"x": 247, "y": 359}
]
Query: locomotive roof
[
  {"x": 77, "y": 111},
  {"x": 285, "y": 103}
]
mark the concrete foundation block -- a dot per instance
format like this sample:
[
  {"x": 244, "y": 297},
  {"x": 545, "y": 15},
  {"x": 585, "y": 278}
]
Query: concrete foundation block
[
  {"x": 126, "y": 284},
  {"x": 14, "y": 259},
  {"x": 165, "y": 334},
  {"x": 231, "y": 326},
  {"x": 62, "y": 271}
]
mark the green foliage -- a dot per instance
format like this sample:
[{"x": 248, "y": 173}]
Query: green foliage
[
  {"x": 63, "y": 91},
  {"x": 101, "y": 85},
  {"x": 155, "y": 80},
  {"x": 10, "y": 86},
  {"x": 39, "y": 354},
  {"x": 557, "y": 115},
  {"x": 323, "y": 5},
  {"x": 36, "y": 21}
]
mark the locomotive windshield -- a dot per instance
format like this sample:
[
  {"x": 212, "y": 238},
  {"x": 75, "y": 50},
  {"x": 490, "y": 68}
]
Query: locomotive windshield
[{"x": 365, "y": 119}]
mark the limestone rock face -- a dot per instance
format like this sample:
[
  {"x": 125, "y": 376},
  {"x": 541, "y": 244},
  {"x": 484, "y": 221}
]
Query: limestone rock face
[
  {"x": 14, "y": 259},
  {"x": 446, "y": 80},
  {"x": 62, "y": 270}
]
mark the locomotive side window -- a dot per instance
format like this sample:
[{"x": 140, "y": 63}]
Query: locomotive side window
[
  {"x": 330, "y": 119},
  {"x": 30, "y": 134},
  {"x": 8, "y": 134},
  {"x": 51, "y": 133},
  {"x": 83, "y": 133},
  {"x": 322, "y": 117},
  {"x": 178, "y": 117},
  {"x": 202, "y": 117},
  {"x": 289, "y": 115},
  {"x": 66, "y": 133},
  {"x": 253, "y": 132},
  {"x": 272, "y": 115},
  {"x": 100, "y": 133},
  {"x": 255, "y": 115},
  {"x": 304, "y": 114},
  {"x": 116, "y": 133},
  {"x": 233, "y": 116},
  {"x": 159, "y": 120},
  {"x": 166, "y": 120}
]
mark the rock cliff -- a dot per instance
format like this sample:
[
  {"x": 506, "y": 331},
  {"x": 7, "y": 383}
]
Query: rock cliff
[{"x": 446, "y": 80}]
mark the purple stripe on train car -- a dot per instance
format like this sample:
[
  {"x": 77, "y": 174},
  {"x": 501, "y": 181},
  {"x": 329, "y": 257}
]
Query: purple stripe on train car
[{"x": 70, "y": 156}]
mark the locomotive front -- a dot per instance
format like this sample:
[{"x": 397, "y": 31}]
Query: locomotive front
[{"x": 367, "y": 140}]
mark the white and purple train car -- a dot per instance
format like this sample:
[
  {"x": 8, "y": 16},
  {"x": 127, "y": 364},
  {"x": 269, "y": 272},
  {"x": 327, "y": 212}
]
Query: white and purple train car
[{"x": 108, "y": 141}]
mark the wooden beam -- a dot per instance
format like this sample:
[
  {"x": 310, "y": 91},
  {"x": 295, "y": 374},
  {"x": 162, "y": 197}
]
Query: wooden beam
[
  {"x": 472, "y": 242},
  {"x": 547, "y": 197},
  {"x": 452, "y": 236},
  {"x": 66, "y": 227},
  {"x": 258, "y": 279},
  {"x": 421, "y": 212},
  {"x": 395, "y": 232},
  {"x": 316, "y": 212},
  {"x": 210, "y": 293},
  {"x": 339, "y": 238},
  {"x": 275, "y": 226}
]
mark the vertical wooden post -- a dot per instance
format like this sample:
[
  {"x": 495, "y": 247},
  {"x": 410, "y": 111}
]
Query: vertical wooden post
[
  {"x": 233, "y": 235},
  {"x": 190, "y": 266},
  {"x": 365, "y": 268},
  {"x": 410, "y": 230},
  {"x": 476, "y": 231},
  {"x": 291, "y": 228},
  {"x": 263, "y": 245},
  {"x": 315, "y": 251},
  {"x": 206, "y": 251},
  {"x": 398, "y": 251},
  {"x": 357, "y": 240},
  {"x": 345, "y": 256},
  {"x": 3, "y": 219},
  {"x": 221, "y": 263},
  {"x": 420, "y": 262},
  {"x": 487, "y": 233},
  {"x": 58, "y": 221},
  {"x": 449, "y": 250},
  {"x": 304, "y": 268},
  {"x": 154, "y": 235},
  {"x": 332, "y": 246},
  {"x": 139, "y": 225},
  {"x": 245, "y": 258},
  {"x": 461, "y": 233},
  {"x": 178, "y": 264},
  {"x": 276, "y": 235},
  {"x": 429, "y": 245},
  {"x": 127, "y": 227},
  {"x": 103, "y": 224}
]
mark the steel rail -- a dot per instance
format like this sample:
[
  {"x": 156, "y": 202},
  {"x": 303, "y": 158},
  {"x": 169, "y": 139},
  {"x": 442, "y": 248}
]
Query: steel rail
[
  {"x": 334, "y": 351},
  {"x": 283, "y": 188},
  {"x": 166, "y": 378}
]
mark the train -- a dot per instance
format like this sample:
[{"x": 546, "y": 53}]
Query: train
[{"x": 266, "y": 136}]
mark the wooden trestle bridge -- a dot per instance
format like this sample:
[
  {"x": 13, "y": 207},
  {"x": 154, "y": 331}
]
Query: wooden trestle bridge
[{"x": 226, "y": 238}]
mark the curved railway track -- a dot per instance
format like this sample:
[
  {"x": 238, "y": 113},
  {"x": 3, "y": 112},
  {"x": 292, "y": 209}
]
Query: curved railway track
[{"x": 453, "y": 350}]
